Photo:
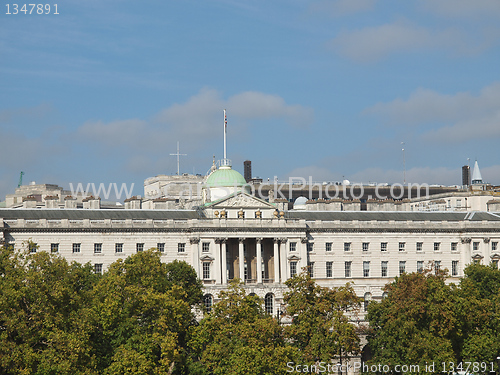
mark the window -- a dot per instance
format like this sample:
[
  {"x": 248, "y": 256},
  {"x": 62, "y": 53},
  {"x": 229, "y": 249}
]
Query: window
[
  {"x": 475, "y": 246},
  {"x": 420, "y": 246},
  {"x": 293, "y": 269},
  {"x": 402, "y": 246},
  {"x": 402, "y": 267},
  {"x": 384, "y": 268},
  {"x": 366, "y": 269},
  {"x": 329, "y": 269},
  {"x": 328, "y": 246},
  {"x": 268, "y": 303},
  {"x": 181, "y": 247},
  {"x": 207, "y": 302},
  {"x": 383, "y": 246},
  {"x": 454, "y": 268},
  {"x": 54, "y": 247},
  {"x": 347, "y": 246},
  {"x": 494, "y": 263},
  {"x": 161, "y": 247},
  {"x": 454, "y": 246},
  {"x": 97, "y": 248},
  {"x": 77, "y": 247},
  {"x": 366, "y": 246},
  {"x": 347, "y": 269},
  {"x": 32, "y": 246},
  {"x": 293, "y": 246},
  {"x": 437, "y": 266},
  {"x": 118, "y": 248},
  {"x": 437, "y": 246},
  {"x": 205, "y": 247},
  {"x": 420, "y": 266},
  {"x": 98, "y": 268},
  {"x": 206, "y": 270},
  {"x": 139, "y": 247},
  {"x": 366, "y": 302},
  {"x": 310, "y": 267},
  {"x": 310, "y": 247},
  {"x": 494, "y": 246}
]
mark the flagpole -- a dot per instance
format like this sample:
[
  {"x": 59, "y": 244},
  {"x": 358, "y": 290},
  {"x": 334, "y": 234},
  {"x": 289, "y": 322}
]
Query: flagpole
[{"x": 225, "y": 126}]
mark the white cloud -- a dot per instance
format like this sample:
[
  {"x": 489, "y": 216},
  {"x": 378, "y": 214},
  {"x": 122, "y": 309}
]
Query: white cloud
[
  {"x": 342, "y": 7},
  {"x": 318, "y": 174},
  {"x": 124, "y": 132},
  {"x": 374, "y": 43},
  {"x": 462, "y": 8}
]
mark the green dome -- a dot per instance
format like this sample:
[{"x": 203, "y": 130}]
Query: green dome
[{"x": 225, "y": 177}]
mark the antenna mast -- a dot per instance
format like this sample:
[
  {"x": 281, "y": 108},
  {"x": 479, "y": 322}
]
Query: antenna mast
[
  {"x": 225, "y": 160},
  {"x": 178, "y": 161}
]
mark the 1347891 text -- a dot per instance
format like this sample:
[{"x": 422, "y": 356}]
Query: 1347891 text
[{"x": 27, "y": 9}]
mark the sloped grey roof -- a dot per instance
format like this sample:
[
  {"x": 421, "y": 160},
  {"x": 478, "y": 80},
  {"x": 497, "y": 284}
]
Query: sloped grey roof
[
  {"x": 396, "y": 216},
  {"x": 79, "y": 214}
]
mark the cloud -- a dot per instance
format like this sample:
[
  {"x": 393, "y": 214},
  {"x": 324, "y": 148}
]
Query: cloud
[
  {"x": 36, "y": 112},
  {"x": 315, "y": 172},
  {"x": 374, "y": 43},
  {"x": 342, "y": 7},
  {"x": 439, "y": 175}
]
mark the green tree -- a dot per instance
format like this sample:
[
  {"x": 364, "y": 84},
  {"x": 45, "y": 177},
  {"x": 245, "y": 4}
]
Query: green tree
[
  {"x": 44, "y": 304},
  {"x": 417, "y": 323},
  {"x": 321, "y": 329},
  {"x": 238, "y": 337}
]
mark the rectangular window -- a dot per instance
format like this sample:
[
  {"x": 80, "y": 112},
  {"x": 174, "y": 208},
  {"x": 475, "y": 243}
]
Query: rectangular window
[
  {"x": 118, "y": 248},
  {"x": 402, "y": 246},
  {"x": 328, "y": 246},
  {"x": 310, "y": 247},
  {"x": 347, "y": 246},
  {"x": 402, "y": 267},
  {"x": 54, "y": 247},
  {"x": 475, "y": 246},
  {"x": 420, "y": 266},
  {"x": 161, "y": 247},
  {"x": 181, "y": 247},
  {"x": 32, "y": 247},
  {"x": 494, "y": 246},
  {"x": 97, "y": 248},
  {"x": 139, "y": 247},
  {"x": 366, "y": 269},
  {"x": 384, "y": 268},
  {"x": 454, "y": 246},
  {"x": 454, "y": 268},
  {"x": 383, "y": 246},
  {"x": 205, "y": 247},
  {"x": 329, "y": 269},
  {"x": 310, "y": 267},
  {"x": 293, "y": 246},
  {"x": 420, "y": 246},
  {"x": 437, "y": 245},
  {"x": 206, "y": 270},
  {"x": 98, "y": 268},
  {"x": 437, "y": 266},
  {"x": 347, "y": 269},
  {"x": 77, "y": 247},
  {"x": 293, "y": 269},
  {"x": 366, "y": 246}
]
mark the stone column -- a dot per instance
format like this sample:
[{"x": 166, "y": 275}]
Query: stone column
[
  {"x": 465, "y": 254},
  {"x": 276, "y": 261},
  {"x": 195, "y": 251},
  {"x": 284, "y": 260},
  {"x": 224, "y": 261},
  {"x": 241, "y": 259},
  {"x": 259, "y": 260},
  {"x": 302, "y": 254},
  {"x": 217, "y": 265}
]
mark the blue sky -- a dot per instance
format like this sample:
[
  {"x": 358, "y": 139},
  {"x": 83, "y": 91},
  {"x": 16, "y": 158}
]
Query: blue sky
[{"x": 103, "y": 91}]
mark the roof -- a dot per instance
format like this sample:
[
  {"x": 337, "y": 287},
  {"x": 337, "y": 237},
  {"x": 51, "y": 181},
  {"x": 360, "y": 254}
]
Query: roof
[
  {"x": 225, "y": 177},
  {"x": 392, "y": 215},
  {"x": 98, "y": 214}
]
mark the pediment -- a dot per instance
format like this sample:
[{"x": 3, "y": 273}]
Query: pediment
[
  {"x": 242, "y": 200},
  {"x": 477, "y": 257}
]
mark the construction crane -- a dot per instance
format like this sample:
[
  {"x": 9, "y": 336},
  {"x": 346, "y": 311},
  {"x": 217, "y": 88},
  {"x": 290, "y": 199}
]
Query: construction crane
[{"x": 20, "y": 179}]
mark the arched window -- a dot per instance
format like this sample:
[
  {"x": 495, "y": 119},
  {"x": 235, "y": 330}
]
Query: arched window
[
  {"x": 208, "y": 301},
  {"x": 268, "y": 303},
  {"x": 367, "y": 299}
]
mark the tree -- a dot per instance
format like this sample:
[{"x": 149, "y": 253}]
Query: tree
[
  {"x": 417, "y": 323},
  {"x": 320, "y": 328},
  {"x": 238, "y": 337}
]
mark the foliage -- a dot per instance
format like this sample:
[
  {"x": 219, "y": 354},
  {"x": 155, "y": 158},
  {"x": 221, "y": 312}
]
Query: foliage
[
  {"x": 238, "y": 337},
  {"x": 321, "y": 329}
]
